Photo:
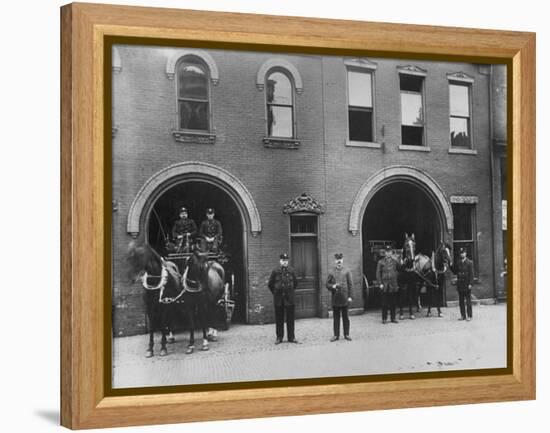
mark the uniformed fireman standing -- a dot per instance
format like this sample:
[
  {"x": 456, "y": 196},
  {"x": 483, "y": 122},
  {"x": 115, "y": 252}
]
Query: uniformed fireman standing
[
  {"x": 340, "y": 284},
  {"x": 282, "y": 284},
  {"x": 184, "y": 231},
  {"x": 211, "y": 232},
  {"x": 386, "y": 274},
  {"x": 464, "y": 270}
]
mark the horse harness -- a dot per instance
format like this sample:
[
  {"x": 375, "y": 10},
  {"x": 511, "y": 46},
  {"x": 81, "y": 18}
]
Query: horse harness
[
  {"x": 161, "y": 285},
  {"x": 190, "y": 285}
]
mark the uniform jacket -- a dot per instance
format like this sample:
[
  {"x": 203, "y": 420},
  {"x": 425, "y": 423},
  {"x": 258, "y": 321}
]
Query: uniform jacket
[
  {"x": 464, "y": 270},
  {"x": 282, "y": 283},
  {"x": 183, "y": 226},
  {"x": 344, "y": 286},
  {"x": 386, "y": 274},
  {"x": 211, "y": 228}
]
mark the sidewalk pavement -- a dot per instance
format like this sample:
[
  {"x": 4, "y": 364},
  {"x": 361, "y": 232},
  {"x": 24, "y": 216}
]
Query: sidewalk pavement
[{"x": 248, "y": 353}]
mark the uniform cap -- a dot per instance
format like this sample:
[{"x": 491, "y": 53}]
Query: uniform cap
[
  {"x": 210, "y": 210},
  {"x": 183, "y": 209},
  {"x": 462, "y": 250},
  {"x": 388, "y": 248},
  {"x": 338, "y": 256},
  {"x": 284, "y": 256}
]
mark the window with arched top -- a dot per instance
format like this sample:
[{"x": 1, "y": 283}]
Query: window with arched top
[
  {"x": 280, "y": 104},
  {"x": 193, "y": 93}
]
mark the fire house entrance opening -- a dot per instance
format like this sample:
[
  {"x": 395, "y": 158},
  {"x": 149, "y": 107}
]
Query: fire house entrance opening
[
  {"x": 395, "y": 209},
  {"x": 196, "y": 197}
]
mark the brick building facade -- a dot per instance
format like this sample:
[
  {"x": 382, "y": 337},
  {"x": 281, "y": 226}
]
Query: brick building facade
[{"x": 304, "y": 154}]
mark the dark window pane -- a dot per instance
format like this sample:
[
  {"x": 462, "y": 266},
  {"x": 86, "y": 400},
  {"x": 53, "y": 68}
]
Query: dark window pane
[
  {"x": 303, "y": 224},
  {"x": 462, "y": 218},
  {"x": 360, "y": 125},
  {"x": 279, "y": 121},
  {"x": 411, "y": 109},
  {"x": 279, "y": 89},
  {"x": 460, "y": 134},
  {"x": 359, "y": 89},
  {"x": 459, "y": 96},
  {"x": 192, "y": 82},
  {"x": 412, "y": 135},
  {"x": 410, "y": 83},
  {"x": 193, "y": 115}
]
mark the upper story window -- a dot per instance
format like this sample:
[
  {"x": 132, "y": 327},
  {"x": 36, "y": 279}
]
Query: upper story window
[
  {"x": 281, "y": 82},
  {"x": 460, "y": 110},
  {"x": 411, "y": 86},
  {"x": 280, "y": 105},
  {"x": 459, "y": 98},
  {"x": 193, "y": 92},
  {"x": 194, "y": 73},
  {"x": 360, "y": 106},
  {"x": 361, "y": 102}
]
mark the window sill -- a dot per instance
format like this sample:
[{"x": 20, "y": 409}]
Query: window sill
[
  {"x": 281, "y": 143},
  {"x": 365, "y": 144},
  {"x": 460, "y": 151},
  {"x": 415, "y": 148},
  {"x": 194, "y": 137}
]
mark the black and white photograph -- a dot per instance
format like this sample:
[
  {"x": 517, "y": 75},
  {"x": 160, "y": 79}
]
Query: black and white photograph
[{"x": 282, "y": 216}]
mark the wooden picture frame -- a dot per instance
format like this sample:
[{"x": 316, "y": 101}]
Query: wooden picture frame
[{"x": 85, "y": 210}]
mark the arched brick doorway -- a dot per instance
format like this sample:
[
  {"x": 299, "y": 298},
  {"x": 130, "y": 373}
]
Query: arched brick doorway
[{"x": 198, "y": 186}]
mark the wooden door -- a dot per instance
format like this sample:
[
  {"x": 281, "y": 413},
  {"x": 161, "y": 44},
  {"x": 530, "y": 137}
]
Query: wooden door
[{"x": 305, "y": 263}]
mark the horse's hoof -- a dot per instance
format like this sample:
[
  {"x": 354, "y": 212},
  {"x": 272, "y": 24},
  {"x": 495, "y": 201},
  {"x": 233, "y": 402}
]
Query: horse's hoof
[
  {"x": 189, "y": 350},
  {"x": 149, "y": 354},
  {"x": 401, "y": 317},
  {"x": 171, "y": 340},
  {"x": 205, "y": 347},
  {"x": 211, "y": 338},
  {"x": 163, "y": 352}
]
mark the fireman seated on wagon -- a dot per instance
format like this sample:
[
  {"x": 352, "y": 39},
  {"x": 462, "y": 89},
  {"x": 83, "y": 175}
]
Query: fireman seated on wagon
[
  {"x": 184, "y": 232},
  {"x": 211, "y": 232}
]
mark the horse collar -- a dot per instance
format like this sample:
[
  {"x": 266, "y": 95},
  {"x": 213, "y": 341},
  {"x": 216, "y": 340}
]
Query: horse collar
[{"x": 161, "y": 284}]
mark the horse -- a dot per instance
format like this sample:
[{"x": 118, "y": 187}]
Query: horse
[
  {"x": 423, "y": 271},
  {"x": 407, "y": 278},
  {"x": 203, "y": 285},
  {"x": 162, "y": 288}
]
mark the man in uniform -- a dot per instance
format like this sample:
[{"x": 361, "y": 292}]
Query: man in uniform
[
  {"x": 184, "y": 231},
  {"x": 340, "y": 284},
  {"x": 464, "y": 270},
  {"x": 386, "y": 274},
  {"x": 211, "y": 232},
  {"x": 282, "y": 284}
]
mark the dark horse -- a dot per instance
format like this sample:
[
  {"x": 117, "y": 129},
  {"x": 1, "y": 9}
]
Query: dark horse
[
  {"x": 419, "y": 271},
  {"x": 203, "y": 284},
  {"x": 162, "y": 288}
]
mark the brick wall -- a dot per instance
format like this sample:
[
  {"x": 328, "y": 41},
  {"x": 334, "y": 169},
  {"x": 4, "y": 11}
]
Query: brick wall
[{"x": 324, "y": 167}]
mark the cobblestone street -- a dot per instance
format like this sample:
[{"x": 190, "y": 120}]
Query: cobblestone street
[{"x": 248, "y": 353}]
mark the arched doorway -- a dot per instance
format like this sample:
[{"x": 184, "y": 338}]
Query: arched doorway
[
  {"x": 395, "y": 209},
  {"x": 198, "y": 195},
  {"x": 396, "y": 200},
  {"x": 198, "y": 185}
]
